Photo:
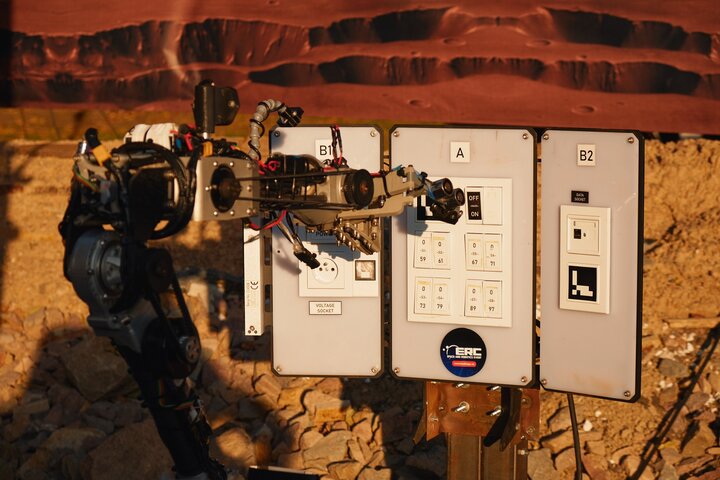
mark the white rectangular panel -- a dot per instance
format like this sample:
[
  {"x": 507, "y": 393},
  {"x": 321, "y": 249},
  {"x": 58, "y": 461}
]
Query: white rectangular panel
[
  {"x": 257, "y": 276},
  {"x": 484, "y": 264},
  {"x": 327, "y": 321},
  {"x": 591, "y": 265}
]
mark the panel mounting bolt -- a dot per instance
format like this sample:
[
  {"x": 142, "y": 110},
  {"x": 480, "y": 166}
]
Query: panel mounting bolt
[
  {"x": 396, "y": 370},
  {"x": 278, "y": 369},
  {"x": 374, "y": 370},
  {"x": 396, "y": 133},
  {"x": 276, "y": 133},
  {"x": 523, "y": 379},
  {"x": 215, "y": 164},
  {"x": 495, "y": 412},
  {"x": 373, "y": 133},
  {"x": 232, "y": 213},
  {"x": 215, "y": 213},
  {"x": 546, "y": 137},
  {"x": 464, "y": 407},
  {"x": 631, "y": 140},
  {"x": 627, "y": 394},
  {"x": 232, "y": 164},
  {"x": 544, "y": 381},
  {"x": 525, "y": 136}
]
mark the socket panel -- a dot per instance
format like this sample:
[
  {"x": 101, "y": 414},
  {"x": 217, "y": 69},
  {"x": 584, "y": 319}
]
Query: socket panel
[
  {"x": 327, "y": 321},
  {"x": 591, "y": 275}
]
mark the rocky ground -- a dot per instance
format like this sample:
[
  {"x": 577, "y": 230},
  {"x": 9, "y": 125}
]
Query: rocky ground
[{"x": 69, "y": 410}]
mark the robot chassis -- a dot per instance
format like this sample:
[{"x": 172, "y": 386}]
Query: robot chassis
[{"x": 147, "y": 190}]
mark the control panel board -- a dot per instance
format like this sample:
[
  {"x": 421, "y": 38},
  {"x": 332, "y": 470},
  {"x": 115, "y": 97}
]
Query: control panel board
[
  {"x": 327, "y": 320},
  {"x": 457, "y": 272},
  {"x": 591, "y": 266},
  {"x": 463, "y": 300}
]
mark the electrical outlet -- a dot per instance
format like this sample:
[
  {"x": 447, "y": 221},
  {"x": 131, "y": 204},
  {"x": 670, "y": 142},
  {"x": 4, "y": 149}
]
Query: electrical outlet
[
  {"x": 583, "y": 236},
  {"x": 330, "y": 274}
]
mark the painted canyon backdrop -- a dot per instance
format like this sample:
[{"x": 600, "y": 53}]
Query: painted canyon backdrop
[{"x": 649, "y": 65}]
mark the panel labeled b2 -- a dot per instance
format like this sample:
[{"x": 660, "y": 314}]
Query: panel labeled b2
[{"x": 591, "y": 272}]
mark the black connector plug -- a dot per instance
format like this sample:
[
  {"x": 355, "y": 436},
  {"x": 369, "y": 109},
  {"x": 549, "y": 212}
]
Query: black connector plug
[{"x": 290, "y": 117}]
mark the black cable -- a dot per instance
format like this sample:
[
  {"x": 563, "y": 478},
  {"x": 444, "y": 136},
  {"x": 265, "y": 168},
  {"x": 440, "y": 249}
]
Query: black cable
[{"x": 576, "y": 438}]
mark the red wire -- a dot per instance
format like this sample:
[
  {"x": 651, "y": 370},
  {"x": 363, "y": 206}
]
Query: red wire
[{"x": 268, "y": 225}]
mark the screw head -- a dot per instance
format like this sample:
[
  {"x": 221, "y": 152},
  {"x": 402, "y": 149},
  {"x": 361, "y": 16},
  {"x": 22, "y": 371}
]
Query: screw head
[
  {"x": 373, "y": 133},
  {"x": 543, "y": 381},
  {"x": 232, "y": 213},
  {"x": 546, "y": 137},
  {"x": 373, "y": 370},
  {"x": 276, "y": 133},
  {"x": 627, "y": 394},
  {"x": 215, "y": 164},
  {"x": 396, "y": 370},
  {"x": 232, "y": 164},
  {"x": 215, "y": 213},
  {"x": 523, "y": 379},
  {"x": 631, "y": 140},
  {"x": 396, "y": 133},
  {"x": 278, "y": 369},
  {"x": 208, "y": 188},
  {"x": 525, "y": 136}
]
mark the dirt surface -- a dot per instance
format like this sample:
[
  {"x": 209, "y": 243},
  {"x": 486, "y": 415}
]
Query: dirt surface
[
  {"x": 643, "y": 65},
  {"x": 681, "y": 301}
]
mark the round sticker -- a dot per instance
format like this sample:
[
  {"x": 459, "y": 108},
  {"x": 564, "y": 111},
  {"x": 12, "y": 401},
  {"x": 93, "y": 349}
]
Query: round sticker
[{"x": 463, "y": 352}]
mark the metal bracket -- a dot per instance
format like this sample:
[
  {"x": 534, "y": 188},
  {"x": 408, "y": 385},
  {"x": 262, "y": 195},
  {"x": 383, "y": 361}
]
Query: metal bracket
[{"x": 510, "y": 415}]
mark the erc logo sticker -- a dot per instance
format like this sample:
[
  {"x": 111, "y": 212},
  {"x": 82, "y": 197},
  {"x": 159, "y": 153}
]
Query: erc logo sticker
[{"x": 463, "y": 352}]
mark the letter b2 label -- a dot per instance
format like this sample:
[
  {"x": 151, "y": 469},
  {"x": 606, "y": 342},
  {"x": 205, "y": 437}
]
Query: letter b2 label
[{"x": 585, "y": 155}]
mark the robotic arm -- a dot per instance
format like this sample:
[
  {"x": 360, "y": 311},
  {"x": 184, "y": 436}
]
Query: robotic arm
[{"x": 150, "y": 189}]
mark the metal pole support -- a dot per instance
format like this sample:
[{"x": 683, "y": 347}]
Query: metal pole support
[{"x": 487, "y": 427}]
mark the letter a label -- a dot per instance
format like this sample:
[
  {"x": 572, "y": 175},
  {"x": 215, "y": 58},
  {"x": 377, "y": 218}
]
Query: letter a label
[{"x": 460, "y": 152}]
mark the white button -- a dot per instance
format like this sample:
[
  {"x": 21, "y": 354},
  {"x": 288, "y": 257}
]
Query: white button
[
  {"x": 473, "y": 298},
  {"x": 423, "y": 295},
  {"x": 441, "y": 250},
  {"x": 492, "y": 206},
  {"x": 441, "y": 296},
  {"x": 493, "y": 253},
  {"x": 423, "y": 251},
  {"x": 491, "y": 299},
  {"x": 474, "y": 251}
]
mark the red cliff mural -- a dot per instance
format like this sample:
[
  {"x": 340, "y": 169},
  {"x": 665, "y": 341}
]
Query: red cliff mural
[{"x": 653, "y": 66}]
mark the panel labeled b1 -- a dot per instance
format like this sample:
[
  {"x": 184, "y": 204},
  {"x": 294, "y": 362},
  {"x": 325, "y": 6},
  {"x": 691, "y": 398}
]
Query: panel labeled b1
[{"x": 328, "y": 320}]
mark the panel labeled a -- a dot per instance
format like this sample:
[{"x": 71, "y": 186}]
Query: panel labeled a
[
  {"x": 463, "y": 294},
  {"x": 591, "y": 263},
  {"x": 327, "y": 320}
]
